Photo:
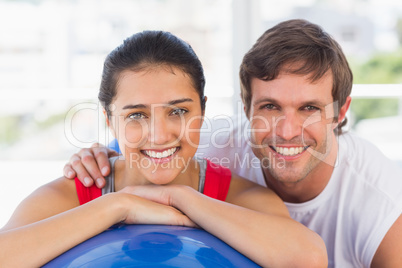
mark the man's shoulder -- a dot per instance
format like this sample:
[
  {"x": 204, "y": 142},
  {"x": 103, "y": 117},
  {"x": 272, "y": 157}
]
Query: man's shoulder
[
  {"x": 362, "y": 161},
  {"x": 359, "y": 150},
  {"x": 352, "y": 140}
]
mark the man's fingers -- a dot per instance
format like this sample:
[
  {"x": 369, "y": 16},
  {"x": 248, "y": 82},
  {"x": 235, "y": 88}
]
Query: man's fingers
[
  {"x": 90, "y": 165},
  {"x": 68, "y": 172},
  {"x": 97, "y": 145},
  {"x": 81, "y": 172},
  {"x": 102, "y": 159},
  {"x": 112, "y": 153}
]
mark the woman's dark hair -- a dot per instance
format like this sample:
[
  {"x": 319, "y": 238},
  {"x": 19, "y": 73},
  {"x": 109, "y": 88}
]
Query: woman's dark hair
[
  {"x": 146, "y": 50},
  {"x": 311, "y": 51}
]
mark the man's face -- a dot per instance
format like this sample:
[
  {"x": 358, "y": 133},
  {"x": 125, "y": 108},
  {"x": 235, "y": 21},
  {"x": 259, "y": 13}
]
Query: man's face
[{"x": 292, "y": 122}]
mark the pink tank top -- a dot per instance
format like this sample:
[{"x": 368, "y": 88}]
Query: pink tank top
[{"x": 214, "y": 184}]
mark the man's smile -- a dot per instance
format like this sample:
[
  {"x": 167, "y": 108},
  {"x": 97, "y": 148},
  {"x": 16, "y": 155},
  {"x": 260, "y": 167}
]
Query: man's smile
[{"x": 289, "y": 151}]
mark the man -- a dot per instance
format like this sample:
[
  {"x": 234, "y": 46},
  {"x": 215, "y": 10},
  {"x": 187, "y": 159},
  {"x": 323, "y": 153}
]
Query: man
[{"x": 295, "y": 87}]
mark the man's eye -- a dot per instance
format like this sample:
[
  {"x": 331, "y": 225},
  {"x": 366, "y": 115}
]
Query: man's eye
[
  {"x": 136, "y": 116},
  {"x": 179, "y": 111},
  {"x": 269, "y": 106},
  {"x": 311, "y": 108}
]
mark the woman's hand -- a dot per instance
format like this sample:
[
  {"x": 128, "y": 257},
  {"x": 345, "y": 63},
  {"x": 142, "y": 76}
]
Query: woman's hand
[
  {"x": 140, "y": 210},
  {"x": 156, "y": 193}
]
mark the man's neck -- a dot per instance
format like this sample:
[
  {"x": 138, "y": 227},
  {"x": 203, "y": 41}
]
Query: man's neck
[{"x": 302, "y": 191}]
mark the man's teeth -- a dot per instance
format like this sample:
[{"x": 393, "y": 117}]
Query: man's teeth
[
  {"x": 163, "y": 154},
  {"x": 289, "y": 151}
]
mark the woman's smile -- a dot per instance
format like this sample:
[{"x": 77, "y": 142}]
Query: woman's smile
[{"x": 161, "y": 155}]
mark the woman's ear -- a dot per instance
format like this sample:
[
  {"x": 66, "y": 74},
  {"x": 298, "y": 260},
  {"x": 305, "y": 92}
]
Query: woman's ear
[
  {"x": 205, "y": 106},
  {"x": 203, "y": 112},
  {"x": 106, "y": 117},
  {"x": 109, "y": 124}
]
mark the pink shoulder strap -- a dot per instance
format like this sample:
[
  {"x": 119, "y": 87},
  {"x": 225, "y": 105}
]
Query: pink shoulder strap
[
  {"x": 86, "y": 194},
  {"x": 217, "y": 181}
]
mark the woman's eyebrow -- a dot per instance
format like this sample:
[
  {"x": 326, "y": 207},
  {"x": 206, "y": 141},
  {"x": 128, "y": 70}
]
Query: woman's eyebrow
[
  {"x": 173, "y": 102},
  {"x": 143, "y": 106},
  {"x": 134, "y": 106}
]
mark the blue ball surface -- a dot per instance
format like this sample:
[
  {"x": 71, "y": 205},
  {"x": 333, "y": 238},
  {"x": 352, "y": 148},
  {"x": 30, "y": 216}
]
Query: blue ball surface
[{"x": 152, "y": 246}]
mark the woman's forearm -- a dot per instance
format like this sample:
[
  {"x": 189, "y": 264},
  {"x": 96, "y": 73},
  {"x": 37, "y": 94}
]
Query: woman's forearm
[
  {"x": 35, "y": 244},
  {"x": 269, "y": 240}
]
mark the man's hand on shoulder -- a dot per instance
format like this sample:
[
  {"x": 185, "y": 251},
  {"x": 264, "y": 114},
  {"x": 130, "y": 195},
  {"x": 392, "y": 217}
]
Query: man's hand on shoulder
[{"x": 90, "y": 165}]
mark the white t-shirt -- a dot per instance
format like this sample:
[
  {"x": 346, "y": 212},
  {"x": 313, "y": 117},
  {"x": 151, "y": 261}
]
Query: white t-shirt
[{"x": 355, "y": 210}]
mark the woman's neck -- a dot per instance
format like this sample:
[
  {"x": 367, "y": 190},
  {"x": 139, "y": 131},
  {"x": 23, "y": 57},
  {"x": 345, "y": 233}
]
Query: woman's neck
[{"x": 124, "y": 175}]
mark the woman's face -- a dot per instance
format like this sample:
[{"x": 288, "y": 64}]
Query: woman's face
[{"x": 156, "y": 117}]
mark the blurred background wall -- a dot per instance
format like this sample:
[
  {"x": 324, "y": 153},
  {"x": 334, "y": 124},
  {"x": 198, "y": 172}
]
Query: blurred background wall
[{"x": 51, "y": 56}]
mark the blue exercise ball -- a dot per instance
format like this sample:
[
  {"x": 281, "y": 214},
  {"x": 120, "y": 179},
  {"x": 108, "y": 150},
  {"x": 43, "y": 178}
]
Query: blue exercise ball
[{"x": 152, "y": 246}]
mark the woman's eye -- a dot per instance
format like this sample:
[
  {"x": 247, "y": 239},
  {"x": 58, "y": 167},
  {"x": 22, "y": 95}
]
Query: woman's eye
[
  {"x": 136, "y": 116},
  {"x": 179, "y": 111}
]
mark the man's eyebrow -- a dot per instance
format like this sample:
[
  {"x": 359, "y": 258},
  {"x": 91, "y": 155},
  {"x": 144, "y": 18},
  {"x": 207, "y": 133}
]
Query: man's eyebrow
[
  {"x": 313, "y": 102},
  {"x": 265, "y": 100},
  {"x": 143, "y": 106}
]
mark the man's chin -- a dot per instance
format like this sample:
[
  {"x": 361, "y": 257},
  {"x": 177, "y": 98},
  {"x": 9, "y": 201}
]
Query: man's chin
[{"x": 288, "y": 177}]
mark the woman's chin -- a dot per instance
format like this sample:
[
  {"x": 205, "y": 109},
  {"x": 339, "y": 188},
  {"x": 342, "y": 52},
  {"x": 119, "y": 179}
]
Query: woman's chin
[{"x": 161, "y": 176}]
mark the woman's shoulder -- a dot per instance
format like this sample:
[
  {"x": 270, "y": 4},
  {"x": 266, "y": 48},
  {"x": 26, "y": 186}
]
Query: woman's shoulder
[
  {"x": 61, "y": 188},
  {"x": 60, "y": 191},
  {"x": 49, "y": 199}
]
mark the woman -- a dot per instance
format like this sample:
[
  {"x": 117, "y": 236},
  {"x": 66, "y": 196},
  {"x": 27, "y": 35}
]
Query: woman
[{"x": 152, "y": 91}]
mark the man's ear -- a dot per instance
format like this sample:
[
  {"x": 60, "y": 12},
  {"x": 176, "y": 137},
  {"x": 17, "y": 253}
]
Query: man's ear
[
  {"x": 244, "y": 107},
  {"x": 245, "y": 112},
  {"x": 344, "y": 109}
]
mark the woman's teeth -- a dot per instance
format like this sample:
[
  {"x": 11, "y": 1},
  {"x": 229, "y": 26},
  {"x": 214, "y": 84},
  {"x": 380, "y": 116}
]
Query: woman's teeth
[
  {"x": 289, "y": 151},
  {"x": 162, "y": 154}
]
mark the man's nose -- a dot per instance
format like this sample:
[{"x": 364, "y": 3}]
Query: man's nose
[{"x": 288, "y": 126}]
